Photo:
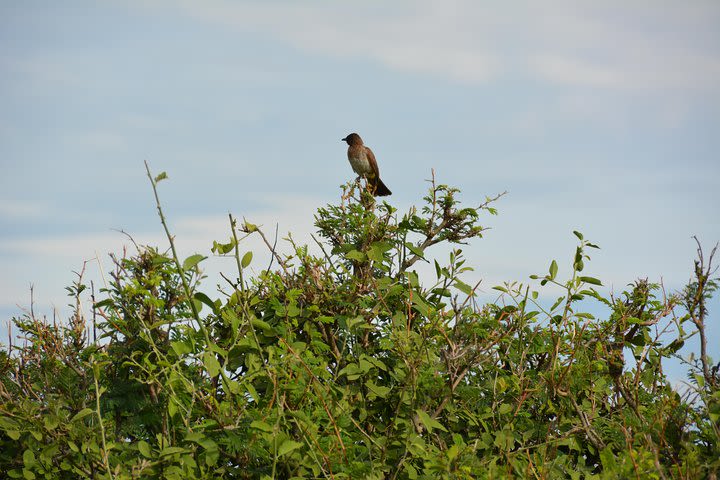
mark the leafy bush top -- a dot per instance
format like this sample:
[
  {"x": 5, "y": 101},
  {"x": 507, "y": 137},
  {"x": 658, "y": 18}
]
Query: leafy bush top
[{"x": 350, "y": 365}]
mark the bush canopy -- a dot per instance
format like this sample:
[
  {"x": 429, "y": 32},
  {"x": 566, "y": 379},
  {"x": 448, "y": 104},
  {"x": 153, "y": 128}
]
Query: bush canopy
[{"x": 354, "y": 364}]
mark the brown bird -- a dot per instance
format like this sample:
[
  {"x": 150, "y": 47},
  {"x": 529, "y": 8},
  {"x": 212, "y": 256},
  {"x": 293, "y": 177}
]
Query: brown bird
[{"x": 362, "y": 160}]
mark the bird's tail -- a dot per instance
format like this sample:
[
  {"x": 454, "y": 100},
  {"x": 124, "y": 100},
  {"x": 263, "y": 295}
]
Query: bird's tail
[{"x": 380, "y": 189}]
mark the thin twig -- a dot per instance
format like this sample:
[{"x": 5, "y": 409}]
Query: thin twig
[
  {"x": 186, "y": 287},
  {"x": 272, "y": 250},
  {"x": 102, "y": 426}
]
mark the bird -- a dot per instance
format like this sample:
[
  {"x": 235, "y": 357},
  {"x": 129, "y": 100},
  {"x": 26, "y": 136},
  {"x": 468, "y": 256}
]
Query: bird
[{"x": 362, "y": 160}]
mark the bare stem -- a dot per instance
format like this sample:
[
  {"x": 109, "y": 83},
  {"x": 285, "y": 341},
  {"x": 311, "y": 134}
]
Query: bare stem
[
  {"x": 100, "y": 420},
  {"x": 186, "y": 286}
]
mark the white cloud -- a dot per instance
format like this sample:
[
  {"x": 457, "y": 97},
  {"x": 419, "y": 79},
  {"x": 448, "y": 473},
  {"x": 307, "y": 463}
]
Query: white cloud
[
  {"x": 609, "y": 45},
  {"x": 96, "y": 140},
  {"x": 17, "y": 209},
  {"x": 646, "y": 71},
  {"x": 76, "y": 245},
  {"x": 193, "y": 233},
  {"x": 563, "y": 70},
  {"x": 48, "y": 70},
  {"x": 399, "y": 36}
]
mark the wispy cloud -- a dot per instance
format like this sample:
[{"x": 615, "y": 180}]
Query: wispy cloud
[
  {"x": 43, "y": 69},
  {"x": 403, "y": 36},
  {"x": 644, "y": 72},
  {"x": 568, "y": 71},
  {"x": 96, "y": 140},
  {"x": 613, "y": 45},
  {"x": 10, "y": 209}
]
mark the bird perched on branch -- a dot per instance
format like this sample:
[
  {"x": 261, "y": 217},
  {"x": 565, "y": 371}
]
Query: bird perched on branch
[{"x": 363, "y": 162}]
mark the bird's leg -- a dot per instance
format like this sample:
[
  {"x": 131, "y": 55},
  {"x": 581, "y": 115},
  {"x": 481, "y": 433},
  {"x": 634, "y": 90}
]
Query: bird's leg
[{"x": 367, "y": 183}]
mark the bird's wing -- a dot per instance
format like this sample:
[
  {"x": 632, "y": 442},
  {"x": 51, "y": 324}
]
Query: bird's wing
[{"x": 372, "y": 162}]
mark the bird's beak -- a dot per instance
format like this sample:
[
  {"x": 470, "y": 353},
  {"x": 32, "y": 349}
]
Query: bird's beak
[{"x": 343, "y": 139}]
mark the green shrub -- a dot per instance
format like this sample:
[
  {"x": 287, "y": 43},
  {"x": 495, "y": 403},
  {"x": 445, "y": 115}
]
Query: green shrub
[{"x": 351, "y": 365}]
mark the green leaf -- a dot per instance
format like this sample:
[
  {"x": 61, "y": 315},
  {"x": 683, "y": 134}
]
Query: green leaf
[
  {"x": 351, "y": 370},
  {"x": 246, "y": 259},
  {"x": 264, "y": 326},
  {"x": 288, "y": 446},
  {"x": 252, "y": 392},
  {"x": 375, "y": 361},
  {"x": 212, "y": 453},
  {"x": 202, "y": 298},
  {"x": 505, "y": 408},
  {"x": 171, "y": 451},
  {"x": 591, "y": 280},
  {"x": 191, "y": 261},
  {"x": 557, "y": 303},
  {"x": 28, "y": 458},
  {"x": 262, "y": 426},
  {"x": 181, "y": 348},
  {"x": 51, "y": 422},
  {"x": 553, "y": 270},
  {"x": 428, "y": 421},
  {"x": 81, "y": 414},
  {"x": 214, "y": 347},
  {"x": 292, "y": 310},
  {"x": 144, "y": 449},
  {"x": 453, "y": 452},
  {"x": 377, "y": 251},
  {"x": 355, "y": 255},
  {"x": 420, "y": 305},
  {"x": 504, "y": 440},
  {"x": 207, "y": 443},
  {"x": 103, "y": 303},
  {"x": 223, "y": 248},
  {"x": 464, "y": 287},
  {"x": 211, "y": 364},
  {"x": 377, "y": 390},
  {"x": 608, "y": 459},
  {"x": 172, "y": 407},
  {"x": 7, "y": 423},
  {"x": 578, "y": 234},
  {"x": 159, "y": 259},
  {"x": 160, "y": 177},
  {"x": 416, "y": 250}
]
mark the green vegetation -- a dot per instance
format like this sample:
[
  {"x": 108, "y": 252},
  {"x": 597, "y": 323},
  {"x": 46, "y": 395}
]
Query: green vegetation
[{"x": 350, "y": 364}]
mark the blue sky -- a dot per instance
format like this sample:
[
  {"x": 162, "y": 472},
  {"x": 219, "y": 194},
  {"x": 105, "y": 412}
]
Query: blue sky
[{"x": 595, "y": 116}]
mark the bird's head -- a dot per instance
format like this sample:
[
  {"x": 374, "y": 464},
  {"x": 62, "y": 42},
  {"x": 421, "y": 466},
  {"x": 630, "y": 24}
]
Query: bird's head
[{"x": 353, "y": 139}]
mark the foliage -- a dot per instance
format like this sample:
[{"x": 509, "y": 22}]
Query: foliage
[{"x": 355, "y": 364}]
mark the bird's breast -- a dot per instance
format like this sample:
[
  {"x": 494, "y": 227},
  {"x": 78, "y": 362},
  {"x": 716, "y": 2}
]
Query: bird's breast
[{"x": 359, "y": 162}]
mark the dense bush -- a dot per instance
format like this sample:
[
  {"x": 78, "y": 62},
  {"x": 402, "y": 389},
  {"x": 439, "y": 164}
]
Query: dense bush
[{"x": 350, "y": 364}]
